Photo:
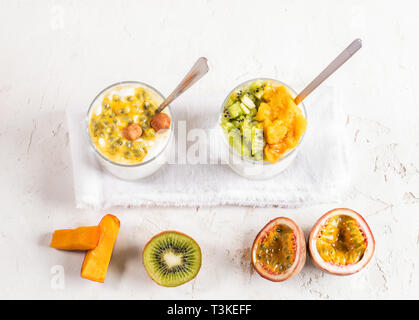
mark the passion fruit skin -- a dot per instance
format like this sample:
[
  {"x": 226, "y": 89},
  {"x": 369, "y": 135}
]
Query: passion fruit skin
[
  {"x": 341, "y": 270},
  {"x": 300, "y": 250}
]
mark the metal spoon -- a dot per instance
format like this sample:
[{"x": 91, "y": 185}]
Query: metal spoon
[
  {"x": 331, "y": 68},
  {"x": 199, "y": 69}
]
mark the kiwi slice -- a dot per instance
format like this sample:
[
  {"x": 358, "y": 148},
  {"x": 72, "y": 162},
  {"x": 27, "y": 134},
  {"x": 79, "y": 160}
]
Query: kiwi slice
[{"x": 172, "y": 258}]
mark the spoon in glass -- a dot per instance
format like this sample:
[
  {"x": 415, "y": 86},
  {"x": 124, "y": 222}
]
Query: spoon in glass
[
  {"x": 331, "y": 68},
  {"x": 161, "y": 120}
]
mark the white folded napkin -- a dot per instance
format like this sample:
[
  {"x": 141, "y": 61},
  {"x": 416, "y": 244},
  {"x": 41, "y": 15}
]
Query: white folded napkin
[{"x": 318, "y": 174}]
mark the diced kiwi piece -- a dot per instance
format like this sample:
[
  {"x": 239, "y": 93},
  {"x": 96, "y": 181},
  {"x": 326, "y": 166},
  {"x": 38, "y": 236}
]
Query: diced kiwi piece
[
  {"x": 259, "y": 94},
  {"x": 234, "y": 110},
  {"x": 245, "y": 135},
  {"x": 235, "y": 139},
  {"x": 230, "y": 101},
  {"x": 246, "y": 150},
  {"x": 247, "y": 131},
  {"x": 253, "y": 112},
  {"x": 257, "y": 88},
  {"x": 248, "y": 102},
  {"x": 257, "y": 143},
  {"x": 247, "y": 140},
  {"x": 256, "y": 84},
  {"x": 238, "y": 122},
  {"x": 172, "y": 258},
  {"x": 234, "y": 97},
  {"x": 244, "y": 108},
  {"x": 227, "y": 126}
]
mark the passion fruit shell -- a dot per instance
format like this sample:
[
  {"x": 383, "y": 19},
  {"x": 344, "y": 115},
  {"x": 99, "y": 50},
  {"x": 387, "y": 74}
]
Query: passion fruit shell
[
  {"x": 336, "y": 268},
  {"x": 274, "y": 269}
]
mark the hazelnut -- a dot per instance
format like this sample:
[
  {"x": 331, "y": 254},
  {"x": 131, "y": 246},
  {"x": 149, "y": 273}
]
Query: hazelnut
[
  {"x": 132, "y": 132},
  {"x": 161, "y": 121}
]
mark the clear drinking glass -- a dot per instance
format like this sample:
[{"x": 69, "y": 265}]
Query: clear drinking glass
[
  {"x": 253, "y": 169},
  {"x": 148, "y": 166}
]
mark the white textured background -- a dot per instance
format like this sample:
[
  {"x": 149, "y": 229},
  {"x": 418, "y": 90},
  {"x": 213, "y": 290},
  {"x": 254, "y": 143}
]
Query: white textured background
[{"x": 57, "y": 54}]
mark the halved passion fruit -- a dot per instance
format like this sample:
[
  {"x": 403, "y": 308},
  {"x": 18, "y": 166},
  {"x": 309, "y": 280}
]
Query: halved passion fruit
[
  {"x": 341, "y": 242},
  {"x": 279, "y": 250}
]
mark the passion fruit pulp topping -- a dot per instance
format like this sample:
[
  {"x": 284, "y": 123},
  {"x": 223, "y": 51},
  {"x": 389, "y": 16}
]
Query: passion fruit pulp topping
[
  {"x": 341, "y": 241},
  {"x": 276, "y": 252}
]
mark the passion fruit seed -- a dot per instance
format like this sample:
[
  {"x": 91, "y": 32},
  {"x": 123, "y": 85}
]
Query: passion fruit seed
[
  {"x": 123, "y": 119},
  {"x": 341, "y": 241},
  {"x": 277, "y": 252}
]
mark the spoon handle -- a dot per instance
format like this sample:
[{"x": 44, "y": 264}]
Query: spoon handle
[
  {"x": 198, "y": 70},
  {"x": 331, "y": 68}
]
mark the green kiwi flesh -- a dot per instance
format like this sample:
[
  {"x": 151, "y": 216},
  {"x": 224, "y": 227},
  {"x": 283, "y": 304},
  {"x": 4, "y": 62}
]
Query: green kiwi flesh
[{"x": 172, "y": 258}]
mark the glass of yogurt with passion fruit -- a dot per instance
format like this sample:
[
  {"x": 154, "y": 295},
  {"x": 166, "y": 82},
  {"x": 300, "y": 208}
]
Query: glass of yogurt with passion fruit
[
  {"x": 262, "y": 127},
  {"x": 128, "y": 138}
]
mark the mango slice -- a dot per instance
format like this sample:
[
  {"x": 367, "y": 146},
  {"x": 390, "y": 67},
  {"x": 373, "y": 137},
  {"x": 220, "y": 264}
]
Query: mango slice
[
  {"x": 283, "y": 121},
  {"x": 96, "y": 261},
  {"x": 82, "y": 238}
]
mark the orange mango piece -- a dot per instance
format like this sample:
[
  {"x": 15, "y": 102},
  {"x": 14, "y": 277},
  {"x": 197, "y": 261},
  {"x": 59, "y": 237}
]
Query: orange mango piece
[
  {"x": 283, "y": 122},
  {"x": 276, "y": 132},
  {"x": 96, "y": 261},
  {"x": 82, "y": 238}
]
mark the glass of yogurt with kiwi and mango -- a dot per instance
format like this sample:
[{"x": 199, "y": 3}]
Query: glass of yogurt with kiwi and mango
[
  {"x": 262, "y": 127},
  {"x": 128, "y": 138}
]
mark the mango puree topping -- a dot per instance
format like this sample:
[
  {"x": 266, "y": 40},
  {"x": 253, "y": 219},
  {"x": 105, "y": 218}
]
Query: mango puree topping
[
  {"x": 283, "y": 121},
  {"x": 341, "y": 241},
  {"x": 107, "y": 126},
  {"x": 276, "y": 252}
]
